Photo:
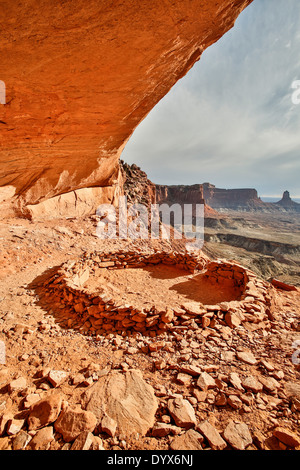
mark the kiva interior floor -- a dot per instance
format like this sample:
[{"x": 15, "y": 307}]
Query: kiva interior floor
[{"x": 159, "y": 286}]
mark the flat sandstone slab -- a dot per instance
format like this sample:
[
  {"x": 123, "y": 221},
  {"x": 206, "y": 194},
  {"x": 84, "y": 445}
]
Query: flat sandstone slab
[{"x": 125, "y": 398}]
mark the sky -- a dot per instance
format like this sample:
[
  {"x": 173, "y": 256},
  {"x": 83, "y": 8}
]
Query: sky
[{"x": 231, "y": 120}]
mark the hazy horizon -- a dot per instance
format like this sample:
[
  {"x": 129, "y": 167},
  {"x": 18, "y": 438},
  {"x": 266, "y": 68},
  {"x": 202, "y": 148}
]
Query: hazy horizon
[{"x": 231, "y": 120}]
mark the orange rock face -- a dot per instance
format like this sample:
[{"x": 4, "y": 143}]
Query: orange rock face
[{"x": 80, "y": 76}]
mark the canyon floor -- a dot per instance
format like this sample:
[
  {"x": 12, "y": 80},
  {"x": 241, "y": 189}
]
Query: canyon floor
[
  {"x": 267, "y": 243},
  {"x": 216, "y": 388}
]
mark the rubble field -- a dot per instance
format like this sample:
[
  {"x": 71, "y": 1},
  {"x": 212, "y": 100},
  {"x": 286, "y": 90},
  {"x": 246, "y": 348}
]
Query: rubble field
[{"x": 191, "y": 375}]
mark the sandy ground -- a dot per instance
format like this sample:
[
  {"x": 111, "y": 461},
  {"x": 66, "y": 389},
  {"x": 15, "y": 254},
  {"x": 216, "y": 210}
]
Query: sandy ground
[{"x": 160, "y": 286}]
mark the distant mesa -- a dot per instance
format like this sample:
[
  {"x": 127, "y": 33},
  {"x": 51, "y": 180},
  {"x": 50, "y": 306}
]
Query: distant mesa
[
  {"x": 220, "y": 199},
  {"x": 215, "y": 198},
  {"x": 287, "y": 203},
  {"x": 139, "y": 189},
  {"x": 182, "y": 194}
]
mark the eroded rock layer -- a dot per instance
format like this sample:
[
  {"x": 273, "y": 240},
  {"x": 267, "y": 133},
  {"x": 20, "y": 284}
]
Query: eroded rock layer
[{"x": 81, "y": 76}]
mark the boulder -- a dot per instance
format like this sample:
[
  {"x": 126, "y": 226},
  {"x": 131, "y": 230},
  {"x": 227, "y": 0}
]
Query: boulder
[
  {"x": 42, "y": 439},
  {"x": 190, "y": 440},
  {"x": 286, "y": 436},
  {"x": 252, "y": 383},
  {"x": 212, "y": 435},
  {"x": 206, "y": 381},
  {"x": 125, "y": 398},
  {"x": 44, "y": 412},
  {"x": 72, "y": 421},
  {"x": 164, "y": 429},
  {"x": 57, "y": 377},
  {"x": 237, "y": 435},
  {"x": 17, "y": 384},
  {"x": 83, "y": 442},
  {"x": 247, "y": 357},
  {"x": 182, "y": 412}
]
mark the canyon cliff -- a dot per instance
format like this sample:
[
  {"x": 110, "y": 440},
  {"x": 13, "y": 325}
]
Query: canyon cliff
[
  {"x": 79, "y": 81},
  {"x": 216, "y": 198},
  {"x": 245, "y": 198},
  {"x": 219, "y": 199},
  {"x": 140, "y": 190}
]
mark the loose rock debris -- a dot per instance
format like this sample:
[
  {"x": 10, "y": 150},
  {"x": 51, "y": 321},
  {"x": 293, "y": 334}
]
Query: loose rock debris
[{"x": 212, "y": 376}]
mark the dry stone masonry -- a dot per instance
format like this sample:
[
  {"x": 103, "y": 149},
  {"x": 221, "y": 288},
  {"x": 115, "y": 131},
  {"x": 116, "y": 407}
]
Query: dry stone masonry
[{"x": 94, "y": 313}]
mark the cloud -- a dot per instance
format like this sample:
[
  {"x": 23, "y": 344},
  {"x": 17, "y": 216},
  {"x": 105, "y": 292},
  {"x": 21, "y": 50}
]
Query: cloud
[{"x": 231, "y": 120}]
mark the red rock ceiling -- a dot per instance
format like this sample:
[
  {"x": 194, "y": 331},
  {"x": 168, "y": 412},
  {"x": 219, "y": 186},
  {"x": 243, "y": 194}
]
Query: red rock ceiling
[{"x": 80, "y": 76}]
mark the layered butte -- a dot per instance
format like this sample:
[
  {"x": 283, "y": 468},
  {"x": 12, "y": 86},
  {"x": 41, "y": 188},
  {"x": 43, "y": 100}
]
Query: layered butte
[{"x": 80, "y": 76}]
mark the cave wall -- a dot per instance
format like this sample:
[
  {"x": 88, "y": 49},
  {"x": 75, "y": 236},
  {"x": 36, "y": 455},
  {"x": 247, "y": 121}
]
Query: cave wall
[{"x": 80, "y": 76}]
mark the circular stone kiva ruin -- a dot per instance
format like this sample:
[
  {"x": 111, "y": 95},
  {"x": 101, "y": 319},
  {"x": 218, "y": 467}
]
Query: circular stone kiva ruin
[{"x": 153, "y": 292}]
